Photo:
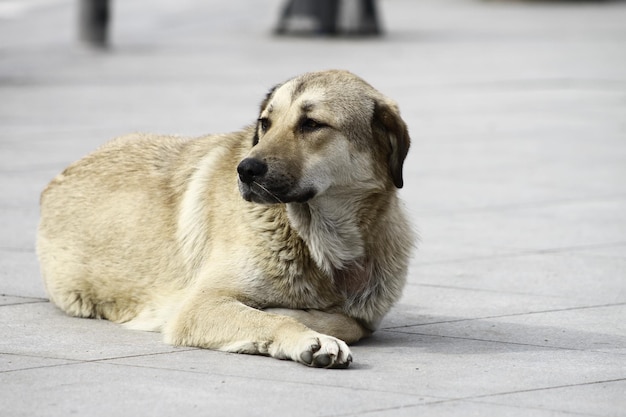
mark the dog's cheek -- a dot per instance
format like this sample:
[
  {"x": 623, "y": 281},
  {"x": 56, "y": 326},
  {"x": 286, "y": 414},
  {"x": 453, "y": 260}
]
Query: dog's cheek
[{"x": 330, "y": 166}]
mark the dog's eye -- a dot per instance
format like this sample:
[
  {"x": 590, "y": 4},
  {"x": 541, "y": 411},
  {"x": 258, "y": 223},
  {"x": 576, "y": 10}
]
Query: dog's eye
[
  {"x": 264, "y": 123},
  {"x": 309, "y": 125}
]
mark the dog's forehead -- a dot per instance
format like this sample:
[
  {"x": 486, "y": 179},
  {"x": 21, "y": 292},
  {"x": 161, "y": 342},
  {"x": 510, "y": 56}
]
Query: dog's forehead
[
  {"x": 335, "y": 97},
  {"x": 295, "y": 94}
]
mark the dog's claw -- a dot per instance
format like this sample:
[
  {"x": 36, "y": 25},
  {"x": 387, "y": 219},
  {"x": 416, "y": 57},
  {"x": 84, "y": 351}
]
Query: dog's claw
[{"x": 344, "y": 365}]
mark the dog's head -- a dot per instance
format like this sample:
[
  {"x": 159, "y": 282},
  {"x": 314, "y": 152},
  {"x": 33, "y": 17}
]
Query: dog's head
[{"x": 323, "y": 132}]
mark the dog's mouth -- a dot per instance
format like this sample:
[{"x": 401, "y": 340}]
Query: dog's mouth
[
  {"x": 260, "y": 183},
  {"x": 256, "y": 192}
]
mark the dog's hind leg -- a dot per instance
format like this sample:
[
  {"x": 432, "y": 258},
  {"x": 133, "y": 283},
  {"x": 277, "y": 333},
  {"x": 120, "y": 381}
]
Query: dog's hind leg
[
  {"x": 335, "y": 324},
  {"x": 222, "y": 322}
]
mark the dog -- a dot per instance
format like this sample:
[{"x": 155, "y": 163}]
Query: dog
[{"x": 286, "y": 238}]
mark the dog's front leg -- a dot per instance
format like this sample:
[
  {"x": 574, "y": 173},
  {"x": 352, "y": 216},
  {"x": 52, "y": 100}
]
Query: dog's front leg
[
  {"x": 335, "y": 324},
  {"x": 224, "y": 323}
]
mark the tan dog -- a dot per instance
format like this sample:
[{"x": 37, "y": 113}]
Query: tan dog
[{"x": 153, "y": 232}]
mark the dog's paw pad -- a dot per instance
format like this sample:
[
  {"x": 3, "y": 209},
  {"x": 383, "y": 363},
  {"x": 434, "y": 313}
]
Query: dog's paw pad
[
  {"x": 322, "y": 361},
  {"x": 328, "y": 352},
  {"x": 307, "y": 355}
]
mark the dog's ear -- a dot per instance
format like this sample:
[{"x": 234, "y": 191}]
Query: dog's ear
[{"x": 387, "y": 117}]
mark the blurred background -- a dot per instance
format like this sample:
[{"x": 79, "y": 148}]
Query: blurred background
[
  {"x": 509, "y": 103},
  {"x": 498, "y": 95}
]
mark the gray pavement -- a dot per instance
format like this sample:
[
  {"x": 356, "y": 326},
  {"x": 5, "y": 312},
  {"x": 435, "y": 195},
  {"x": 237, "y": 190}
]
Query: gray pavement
[{"x": 516, "y": 301}]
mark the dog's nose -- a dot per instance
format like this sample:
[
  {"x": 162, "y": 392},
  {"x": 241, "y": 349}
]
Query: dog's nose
[{"x": 250, "y": 169}]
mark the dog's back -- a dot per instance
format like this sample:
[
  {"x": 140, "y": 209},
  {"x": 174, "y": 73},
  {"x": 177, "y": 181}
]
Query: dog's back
[{"x": 108, "y": 220}]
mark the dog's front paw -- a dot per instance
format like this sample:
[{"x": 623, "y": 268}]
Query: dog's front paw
[{"x": 324, "y": 352}]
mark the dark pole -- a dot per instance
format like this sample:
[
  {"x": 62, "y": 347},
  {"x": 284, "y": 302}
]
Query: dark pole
[
  {"x": 327, "y": 11},
  {"x": 93, "y": 22},
  {"x": 322, "y": 17}
]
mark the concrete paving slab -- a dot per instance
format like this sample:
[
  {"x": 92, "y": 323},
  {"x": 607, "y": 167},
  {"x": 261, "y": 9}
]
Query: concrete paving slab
[
  {"x": 581, "y": 276},
  {"x": 22, "y": 186},
  {"x": 468, "y": 408},
  {"x": 36, "y": 157},
  {"x": 40, "y": 329},
  {"x": 467, "y": 368},
  {"x": 526, "y": 184},
  {"x": 418, "y": 365},
  {"x": 594, "y": 328},
  {"x": 19, "y": 227},
  {"x": 98, "y": 389},
  {"x": 584, "y": 223},
  {"x": 19, "y": 272},
  {"x": 11, "y": 363},
  {"x": 424, "y": 304},
  {"x": 9, "y": 300},
  {"x": 597, "y": 399}
]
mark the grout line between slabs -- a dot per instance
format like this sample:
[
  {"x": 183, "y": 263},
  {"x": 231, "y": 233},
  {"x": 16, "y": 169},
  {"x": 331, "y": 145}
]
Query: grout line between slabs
[
  {"x": 582, "y": 384},
  {"x": 552, "y": 410},
  {"x": 83, "y": 361},
  {"x": 26, "y": 300},
  {"x": 435, "y": 399},
  {"x": 478, "y": 397},
  {"x": 520, "y": 206},
  {"x": 502, "y": 342},
  {"x": 23, "y": 303},
  {"x": 438, "y": 402},
  {"x": 557, "y": 310},
  {"x": 456, "y": 287},
  {"x": 522, "y": 253},
  {"x": 299, "y": 382},
  {"x": 57, "y": 365}
]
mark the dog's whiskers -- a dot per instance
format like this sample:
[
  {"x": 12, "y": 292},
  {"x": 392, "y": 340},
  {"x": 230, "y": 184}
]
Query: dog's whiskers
[{"x": 268, "y": 192}]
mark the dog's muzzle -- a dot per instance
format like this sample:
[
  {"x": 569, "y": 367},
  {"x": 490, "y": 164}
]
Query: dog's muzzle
[{"x": 260, "y": 184}]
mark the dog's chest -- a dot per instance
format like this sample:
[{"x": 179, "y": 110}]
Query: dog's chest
[
  {"x": 292, "y": 273},
  {"x": 354, "y": 280}
]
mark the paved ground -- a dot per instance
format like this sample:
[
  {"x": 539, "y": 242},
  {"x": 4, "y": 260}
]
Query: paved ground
[{"x": 516, "y": 302}]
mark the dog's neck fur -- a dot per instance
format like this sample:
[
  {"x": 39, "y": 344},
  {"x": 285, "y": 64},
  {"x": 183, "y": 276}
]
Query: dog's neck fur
[
  {"x": 363, "y": 253},
  {"x": 331, "y": 231}
]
